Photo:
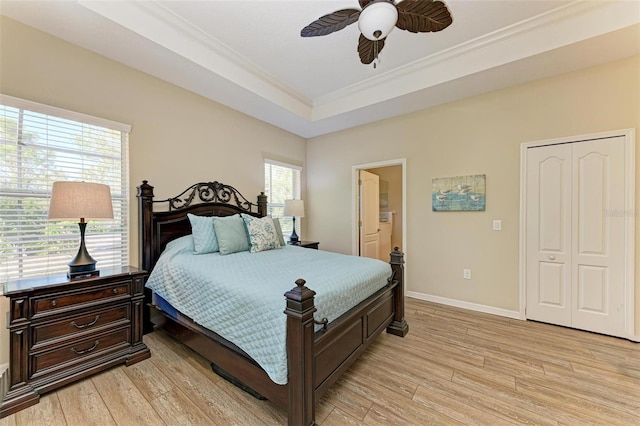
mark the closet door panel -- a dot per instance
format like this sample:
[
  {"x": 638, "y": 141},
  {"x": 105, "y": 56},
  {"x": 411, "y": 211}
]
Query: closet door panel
[
  {"x": 598, "y": 235},
  {"x": 549, "y": 234}
]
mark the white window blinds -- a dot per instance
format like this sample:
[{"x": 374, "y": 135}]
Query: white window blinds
[
  {"x": 39, "y": 145},
  {"x": 281, "y": 182}
]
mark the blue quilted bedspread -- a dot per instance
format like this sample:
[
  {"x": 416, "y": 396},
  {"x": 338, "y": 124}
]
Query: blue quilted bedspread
[{"x": 240, "y": 296}]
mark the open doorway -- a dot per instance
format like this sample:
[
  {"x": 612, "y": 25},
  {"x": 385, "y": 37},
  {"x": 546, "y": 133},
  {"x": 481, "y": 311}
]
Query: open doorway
[{"x": 390, "y": 211}]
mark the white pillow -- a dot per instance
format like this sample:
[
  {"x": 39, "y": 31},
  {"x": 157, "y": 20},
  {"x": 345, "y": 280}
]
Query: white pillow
[{"x": 276, "y": 222}]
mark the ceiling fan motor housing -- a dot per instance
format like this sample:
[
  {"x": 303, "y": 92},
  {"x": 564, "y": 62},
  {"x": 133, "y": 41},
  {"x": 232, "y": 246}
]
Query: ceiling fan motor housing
[{"x": 377, "y": 19}]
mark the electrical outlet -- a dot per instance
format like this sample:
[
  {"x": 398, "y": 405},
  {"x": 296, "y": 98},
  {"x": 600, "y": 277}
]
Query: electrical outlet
[
  {"x": 497, "y": 225},
  {"x": 466, "y": 274}
]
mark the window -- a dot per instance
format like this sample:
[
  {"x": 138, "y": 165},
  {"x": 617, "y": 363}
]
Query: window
[
  {"x": 281, "y": 182},
  {"x": 39, "y": 145}
]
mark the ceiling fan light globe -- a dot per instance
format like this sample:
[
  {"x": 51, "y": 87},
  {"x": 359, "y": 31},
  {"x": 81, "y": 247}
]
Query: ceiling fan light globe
[{"x": 377, "y": 19}]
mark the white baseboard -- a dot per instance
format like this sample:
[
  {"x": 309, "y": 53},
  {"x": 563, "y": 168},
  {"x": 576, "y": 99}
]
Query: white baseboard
[
  {"x": 466, "y": 305},
  {"x": 479, "y": 308}
]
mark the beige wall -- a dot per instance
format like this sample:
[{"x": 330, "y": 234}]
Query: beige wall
[
  {"x": 392, "y": 178},
  {"x": 479, "y": 135},
  {"x": 178, "y": 138}
]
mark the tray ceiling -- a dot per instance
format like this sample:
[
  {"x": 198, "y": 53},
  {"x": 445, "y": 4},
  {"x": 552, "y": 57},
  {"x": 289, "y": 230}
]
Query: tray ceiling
[{"x": 249, "y": 55}]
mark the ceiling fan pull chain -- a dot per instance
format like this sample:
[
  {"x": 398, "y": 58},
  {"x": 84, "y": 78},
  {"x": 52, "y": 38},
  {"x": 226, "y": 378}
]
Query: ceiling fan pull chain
[{"x": 375, "y": 53}]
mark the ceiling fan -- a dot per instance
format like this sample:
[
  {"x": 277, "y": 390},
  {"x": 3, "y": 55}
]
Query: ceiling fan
[{"x": 378, "y": 17}]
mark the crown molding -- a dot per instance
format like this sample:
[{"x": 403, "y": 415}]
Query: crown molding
[
  {"x": 571, "y": 23},
  {"x": 157, "y": 23},
  {"x": 183, "y": 54}
]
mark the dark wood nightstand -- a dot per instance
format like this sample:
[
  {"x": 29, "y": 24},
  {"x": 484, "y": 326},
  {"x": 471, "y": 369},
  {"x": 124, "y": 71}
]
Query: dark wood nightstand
[
  {"x": 62, "y": 331},
  {"x": 307, "y": 244}
]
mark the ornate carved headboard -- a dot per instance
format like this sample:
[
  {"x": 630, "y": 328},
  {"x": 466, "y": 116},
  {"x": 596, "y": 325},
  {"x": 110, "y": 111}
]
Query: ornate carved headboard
[{"x": 157, "y": 228}]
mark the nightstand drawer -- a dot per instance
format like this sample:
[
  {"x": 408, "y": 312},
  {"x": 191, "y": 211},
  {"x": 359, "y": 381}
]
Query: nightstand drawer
[
  {"x": 80, "y": 351},
  {"x": 68, "y": 300},
  {"x": 42, "y": 334}
]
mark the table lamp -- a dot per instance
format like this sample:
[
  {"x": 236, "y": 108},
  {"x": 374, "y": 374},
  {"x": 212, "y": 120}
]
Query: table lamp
[
  {"x": 294, "y": 208},
  {"x": 84, "y": 200}
]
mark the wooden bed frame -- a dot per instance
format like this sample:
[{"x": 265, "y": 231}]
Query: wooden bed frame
[{"x": 315, "y": 360}]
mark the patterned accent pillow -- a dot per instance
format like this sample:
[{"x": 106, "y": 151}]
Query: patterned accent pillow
[
  {"x": 204, "y": 236},
  {"x": 231, "y": 234},
  {"x": 262, "y": 233}
]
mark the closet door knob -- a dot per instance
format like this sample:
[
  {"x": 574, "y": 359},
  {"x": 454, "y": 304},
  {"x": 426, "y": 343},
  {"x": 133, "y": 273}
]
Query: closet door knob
[{"x": 552, "y": 257}]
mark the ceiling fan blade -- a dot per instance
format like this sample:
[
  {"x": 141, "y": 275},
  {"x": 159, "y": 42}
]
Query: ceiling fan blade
[
  {"x": 330, "y": 23},
  {"x": 366, "y": 49},
  {"x": 363, "y": 3},
  {"x": 423, "y": 16}
]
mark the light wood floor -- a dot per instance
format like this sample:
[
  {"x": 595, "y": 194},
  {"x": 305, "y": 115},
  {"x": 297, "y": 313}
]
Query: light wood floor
[{"x": 454, "y": 367}]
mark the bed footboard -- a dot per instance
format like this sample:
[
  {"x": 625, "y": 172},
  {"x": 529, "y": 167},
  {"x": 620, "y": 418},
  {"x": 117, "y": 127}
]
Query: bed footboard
[{"x": 315, "y": 360}]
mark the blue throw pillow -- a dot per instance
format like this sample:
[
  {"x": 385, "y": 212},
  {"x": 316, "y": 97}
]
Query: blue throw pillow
[
  {"x": 231, "y": 234},
  {"x": 204, "y": 236}
]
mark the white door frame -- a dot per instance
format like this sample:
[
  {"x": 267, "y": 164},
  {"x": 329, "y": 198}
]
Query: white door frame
[
  {"x": 354, "y": 205},
  {"x": 628, "y": 216}
]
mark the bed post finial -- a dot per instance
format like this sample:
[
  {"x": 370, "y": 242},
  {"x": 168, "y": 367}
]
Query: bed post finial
[
  {"x": 145, "y": 210},
  {"x": 399, "y": 326},
  {"x": 145, "y": 190},
  {"x": 300, "y": 330},
  {"x": 262, "y": 204}
]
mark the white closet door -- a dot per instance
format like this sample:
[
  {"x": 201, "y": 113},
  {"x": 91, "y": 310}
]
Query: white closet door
[
  {"x": 575, "y": 239},
  {"x": 598, "y": 235},
  {"x": 549, "y": 234}
]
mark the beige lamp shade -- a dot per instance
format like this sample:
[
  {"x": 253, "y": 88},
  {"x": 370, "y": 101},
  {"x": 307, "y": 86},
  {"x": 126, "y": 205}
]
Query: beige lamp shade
[
  {"x": 84, "y": 200},
  {"x": 294, "y": 208}
]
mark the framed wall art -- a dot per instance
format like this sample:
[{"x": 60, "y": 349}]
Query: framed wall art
[{"x": 459, "y": 193}]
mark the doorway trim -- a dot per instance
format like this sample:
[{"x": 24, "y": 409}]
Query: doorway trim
[
  {"x": 628, "y": 214},
  {"x": 354, "y": 198}
]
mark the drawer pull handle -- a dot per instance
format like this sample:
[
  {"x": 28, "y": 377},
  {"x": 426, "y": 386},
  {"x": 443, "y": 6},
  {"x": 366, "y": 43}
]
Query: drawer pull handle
[
  {"x": 115, "y": 291},
  {"x": 86, "y": 351},
  {"x": 89, "y": 324},
  {"x": 53, "y": 302}
]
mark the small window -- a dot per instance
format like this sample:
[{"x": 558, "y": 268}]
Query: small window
[
  {"x": 39, "y": 145},
  {"x": 281, "y": 182}
]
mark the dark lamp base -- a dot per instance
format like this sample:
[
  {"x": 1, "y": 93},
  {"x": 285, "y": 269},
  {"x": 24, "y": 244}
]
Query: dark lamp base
[
  {"x": 83, "y": 274},
  {"x": 83, "y": 265},
  {"x": 293, "y": 239}
]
